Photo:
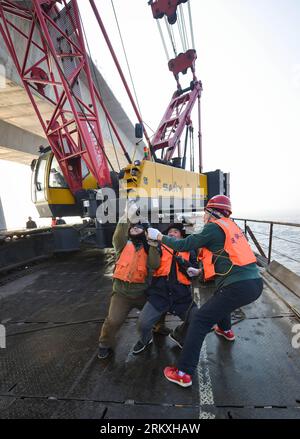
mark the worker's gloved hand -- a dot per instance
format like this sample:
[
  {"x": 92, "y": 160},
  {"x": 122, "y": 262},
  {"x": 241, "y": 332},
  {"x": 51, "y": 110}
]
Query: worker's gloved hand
[
  {"x": 153, "y": 234},
  {"x": 192, "y": 272},
  {"x": 153, "y": 243},
  {"x": 132, "y": 212}
]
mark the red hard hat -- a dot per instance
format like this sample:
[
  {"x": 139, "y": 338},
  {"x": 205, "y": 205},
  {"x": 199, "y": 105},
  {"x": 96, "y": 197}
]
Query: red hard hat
[{"x": 219, "y": 202}]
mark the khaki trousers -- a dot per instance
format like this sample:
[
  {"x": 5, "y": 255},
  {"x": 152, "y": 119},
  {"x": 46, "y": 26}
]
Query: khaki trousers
[{"x": 119, "y": 308}]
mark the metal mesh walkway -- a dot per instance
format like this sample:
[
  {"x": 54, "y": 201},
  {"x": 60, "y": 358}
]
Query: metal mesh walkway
[{"x": 50, "y": 367}]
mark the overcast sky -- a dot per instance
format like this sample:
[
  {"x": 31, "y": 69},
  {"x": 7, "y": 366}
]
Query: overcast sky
[{"x": 249, "y": 64}]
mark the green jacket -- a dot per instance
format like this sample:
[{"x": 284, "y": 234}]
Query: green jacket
[
  {"x": 213, "y": 238},
  {"x": 120, "y": 239}
]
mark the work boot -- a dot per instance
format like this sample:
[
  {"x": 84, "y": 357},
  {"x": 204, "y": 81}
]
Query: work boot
[
  {"x": 172, "y": 374},
  {"x": 104, "y": 352},
  {"x": 175, "y": 339},
  {"x": 229, "y": 335},
  {"x": 161, "y": 329},
  {"x": 140, "y": 346},
  {"x": 160, "y": 326}
]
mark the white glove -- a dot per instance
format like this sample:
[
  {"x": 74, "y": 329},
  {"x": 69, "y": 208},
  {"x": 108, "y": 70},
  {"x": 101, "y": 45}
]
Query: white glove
[
  {"x": 153, "y": 243},
  {"x": 192, "y": 272},
  {"x": 153, "y": 233},
  {"x": 132, "y": 213}
]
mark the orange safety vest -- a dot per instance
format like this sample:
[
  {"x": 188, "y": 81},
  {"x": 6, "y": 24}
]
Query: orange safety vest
[
  {"x": 236, "y": 246},
  {"x": 166, "y": 262},
  {"x": 132, "y": 265}
]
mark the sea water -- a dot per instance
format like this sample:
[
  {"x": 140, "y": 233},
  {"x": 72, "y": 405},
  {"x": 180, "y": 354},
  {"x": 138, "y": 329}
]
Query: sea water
[{"x": 285, "y": 244}]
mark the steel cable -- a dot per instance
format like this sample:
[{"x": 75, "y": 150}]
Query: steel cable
[
  {"x": 126, "y": 58},
  {"x": 72, "y": 92},
  {"x": 191, "y": 25},
  {"x": 173, "y": 37},
  {"x": 181, "y": 33},
  {"x": 99, "y": 89},
  {"x": 163, "y": 40},
  {"x": 184, "y": 27},
  {"x": 170, "y": 36}
]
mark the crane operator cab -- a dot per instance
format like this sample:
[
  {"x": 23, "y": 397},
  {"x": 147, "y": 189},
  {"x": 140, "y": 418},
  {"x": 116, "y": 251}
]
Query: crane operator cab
[{"x": 50, "y": 192}]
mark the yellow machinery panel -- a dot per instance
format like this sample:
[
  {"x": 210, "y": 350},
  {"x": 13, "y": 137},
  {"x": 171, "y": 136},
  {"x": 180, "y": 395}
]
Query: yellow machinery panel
[
  {"x": 46, "y": 195},
  {"x": 144, "y": 179},
  {"x": 164, "y": 181},
  {"x": 62, "y": 195},
  {"x": 59, "y": 196}
]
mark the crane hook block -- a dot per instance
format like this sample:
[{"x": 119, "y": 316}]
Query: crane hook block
[
  {"x": 166, "y": 7},
  {"x": 182, "y": 62}
]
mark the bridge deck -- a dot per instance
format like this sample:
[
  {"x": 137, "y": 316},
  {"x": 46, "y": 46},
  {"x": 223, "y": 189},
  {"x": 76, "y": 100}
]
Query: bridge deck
[{"x": 52, "y": 313}]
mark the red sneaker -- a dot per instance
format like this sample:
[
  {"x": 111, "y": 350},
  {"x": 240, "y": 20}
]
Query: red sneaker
[
  {"x": 171, "y": 373},
  {"x": 229, "y": 335}
]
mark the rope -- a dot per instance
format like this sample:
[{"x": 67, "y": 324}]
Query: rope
[{"x": 218, "y": 255}]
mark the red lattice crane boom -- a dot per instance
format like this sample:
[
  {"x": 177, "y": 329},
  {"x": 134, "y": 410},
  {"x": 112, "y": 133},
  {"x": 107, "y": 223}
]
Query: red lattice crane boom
[{"x": 54, "y": 66}]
